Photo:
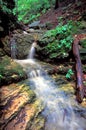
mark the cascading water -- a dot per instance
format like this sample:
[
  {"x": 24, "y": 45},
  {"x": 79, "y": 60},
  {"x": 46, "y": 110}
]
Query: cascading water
[
  {"x": 58, "y": 111},
  {"x": 32, "y": 51}
]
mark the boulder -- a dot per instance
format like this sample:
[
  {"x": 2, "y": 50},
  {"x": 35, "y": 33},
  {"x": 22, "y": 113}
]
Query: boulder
[
  {"x": 10, "y": 71},
  {"x": 34, "y": 25},
  {"x": 18, "y": 45},
  {"x": 37, "y": 25},
  {"x": 19, "y": 108}
]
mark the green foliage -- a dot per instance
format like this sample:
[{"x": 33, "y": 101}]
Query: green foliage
[
  {"x": 83, "y": 43},
  {"x": 28, "y": 10},
  {"x": 32, "y": 17},
  {"x": 64, "y": 38},
  {"x": 3, "y": 6},
  {"x": 69, "y": 74}
]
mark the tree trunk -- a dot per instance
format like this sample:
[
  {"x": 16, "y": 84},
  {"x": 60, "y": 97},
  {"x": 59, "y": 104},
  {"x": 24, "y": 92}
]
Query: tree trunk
[
  {"x": 79, "y": 73},
  {"x": 56, "y": 4}
]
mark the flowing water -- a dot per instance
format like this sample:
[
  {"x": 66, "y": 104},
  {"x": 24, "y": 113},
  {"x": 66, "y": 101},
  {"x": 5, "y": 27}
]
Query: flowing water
[
  {"x": 58, "y": 111},
  {"x": 32, "y": 51}
]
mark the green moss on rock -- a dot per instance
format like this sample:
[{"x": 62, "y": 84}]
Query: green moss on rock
[{"x": 10, "y": 71}]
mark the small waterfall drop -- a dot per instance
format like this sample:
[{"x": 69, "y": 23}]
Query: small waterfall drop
[
  {"x": 32, "y": 51},
  {"x": 58, "y": 110}
]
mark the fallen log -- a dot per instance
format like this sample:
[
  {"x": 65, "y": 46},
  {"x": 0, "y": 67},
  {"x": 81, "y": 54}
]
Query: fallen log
[{"x": 80, "y": 89}]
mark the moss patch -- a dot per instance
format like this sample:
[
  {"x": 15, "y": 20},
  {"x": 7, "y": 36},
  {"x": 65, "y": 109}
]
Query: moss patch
[{"x": 10, "y": 71}]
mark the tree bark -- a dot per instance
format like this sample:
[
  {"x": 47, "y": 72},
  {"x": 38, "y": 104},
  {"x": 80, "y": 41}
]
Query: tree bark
[
  {"x": 79, "y": 74},
  {"x": 56, "y": 4}
]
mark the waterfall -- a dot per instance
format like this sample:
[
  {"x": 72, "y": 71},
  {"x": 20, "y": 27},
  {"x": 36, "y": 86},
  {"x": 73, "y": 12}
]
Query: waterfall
[
  {"x": 32, "y": 51},
  {"x": 58, "y": 110}
]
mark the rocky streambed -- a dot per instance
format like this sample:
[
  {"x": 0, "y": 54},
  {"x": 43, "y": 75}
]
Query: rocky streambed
[
  {"x": 19, "y": 105},
  {"x": 20, "y": 108}
]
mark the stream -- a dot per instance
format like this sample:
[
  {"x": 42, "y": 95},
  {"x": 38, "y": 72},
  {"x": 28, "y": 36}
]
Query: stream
[{"x": 58, "y": 112}]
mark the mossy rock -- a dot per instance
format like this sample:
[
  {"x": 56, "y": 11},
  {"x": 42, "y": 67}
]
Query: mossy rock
[
  {"x": 37, "y": 123},
  {"x": 10, "y": 71}
]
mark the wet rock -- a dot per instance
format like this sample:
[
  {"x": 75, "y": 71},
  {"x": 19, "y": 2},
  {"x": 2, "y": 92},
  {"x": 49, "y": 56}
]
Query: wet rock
[
  {"x": 23, "y": 41},
  {"x": 18, "y": 107},
  {"x": 38, "y": 123},
  {"x": 6, "y": 45},
  {"x": 10, "y": 71},
  {"x": 37, "y": 31},
  {"x": 34, "y": 25},
  {"x": 23, "y": 118},
  {"x": 18, "y": 103},
  {"x": 68, "y": 88},
  {"x": 13, "y": 104},
  {"x": 55, "y": 69},
  {"x": 37, "y": 25},
  {"x": 23, "y": 44}
]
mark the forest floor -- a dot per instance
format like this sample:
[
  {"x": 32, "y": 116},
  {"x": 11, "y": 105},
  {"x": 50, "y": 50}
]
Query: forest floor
[{"x": 72, "y": 11}]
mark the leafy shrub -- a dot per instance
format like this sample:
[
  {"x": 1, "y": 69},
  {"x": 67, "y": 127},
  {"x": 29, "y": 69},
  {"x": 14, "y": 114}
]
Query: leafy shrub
[
  {"x": 28, "y": 10},
  {"x": 62, "y": 44},
  {"x": 69, "y": 74},
  {"x": 3, "y": 6}
]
